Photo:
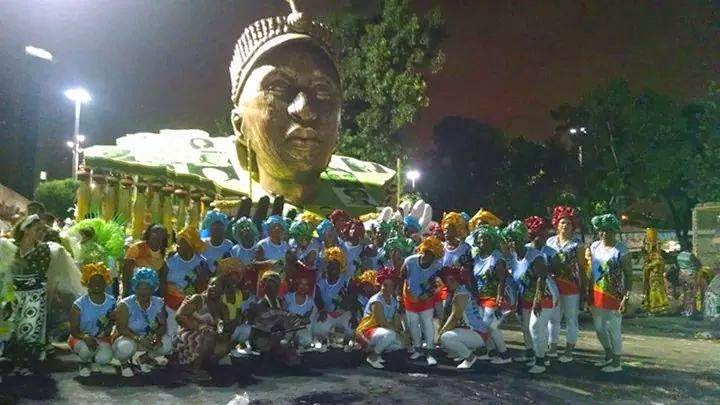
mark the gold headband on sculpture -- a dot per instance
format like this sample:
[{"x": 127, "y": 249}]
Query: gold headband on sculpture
[{"x": 269, "y": 33}]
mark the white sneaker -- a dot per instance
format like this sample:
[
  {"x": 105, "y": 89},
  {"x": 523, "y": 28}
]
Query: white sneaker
[
  {"x": 95, "y": 368},
  {"x": 415, "y": 355},
  {"x": 321, "y": 348},
  {"x": 145, "y": 368},
  {"x": 84, "y": 371},
  {"x": 536, "y": 369},
  {"x": 565, "y": 359},
  {"x": 521, "y": 358},
  {"x": 431, "y": 360},
  {"x": 161, "y": 361},
  {"x": 554, "y": 355},
  {"x": 237, "y": 353},
  {"x": 381, "y": 360},
  {"x": 126, "y": 371},
  {"x": 500, "y": 360},
  {"x": 602, "y": 363},
  {"x": 467, "y": 363},
  {"x": 375, "y": 364},
  {"x": 547, "y": 363},
  {"x": 483, "y": 357},
  {"x": 611, "y": 369}
]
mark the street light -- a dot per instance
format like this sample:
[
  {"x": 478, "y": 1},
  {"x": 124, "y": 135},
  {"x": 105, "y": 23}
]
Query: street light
[
  {"x": 412, "y": 175},
  {"x": 576, "y": 131},
  {"x": 79, "y": 96},
  {"x": 38, "y": 53}
]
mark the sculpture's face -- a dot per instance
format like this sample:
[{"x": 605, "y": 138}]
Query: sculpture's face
[{"x": 289, "y": 109}]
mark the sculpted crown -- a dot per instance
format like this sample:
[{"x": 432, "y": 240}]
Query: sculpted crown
[{"x": 252, "y": 41}]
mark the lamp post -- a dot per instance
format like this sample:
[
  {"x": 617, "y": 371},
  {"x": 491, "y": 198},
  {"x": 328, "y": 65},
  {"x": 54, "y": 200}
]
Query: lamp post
[
  {"x": 412, "y": 175},
  {"x": 576, "y": 131},
  {"x": 80, "y": 96}
]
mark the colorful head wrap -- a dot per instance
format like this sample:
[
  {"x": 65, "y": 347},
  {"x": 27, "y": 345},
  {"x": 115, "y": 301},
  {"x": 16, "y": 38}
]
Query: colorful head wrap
[
  {"x": 303, "y": 273},
  {"x": 335, "y": 254},
  {"x": 147, "y": 276},
  {"x": 338, "y": 215},
  {"x": 190, "y": 235},
  {"x": 411, "y": 224},
  {"x": 366, "y": 277},
  {"x": 435, "y": 230},
  {"x": 274, "y": 220},
  {"x": 491, "y": 234},
  {"x": 606, "y": 222},
  {"x": 404, "y": 246},
  {"x": 456, "y": 221},
  {"x": 245, "y": 226},
  {"x": 312, "y": 219},
  {"x": 94, "y": 269},
  {"x": 484, "y": 217},
  {"x": 456, "y": 272},
  {"x": 301, "y": 230},
  {"x": 433, "y": 245},
  {"x": 535, "y": 225},
  {"x": 465, "y": 216},
  {"x": 215, "y": 216},
  {"x": 353, "y": 226},
  {"x": 322, "y": 228},
  {"x": 267, "y": 277},
  {"x": 385, "y": 273},
  {"x": 229, "y": 267},
  {"x": 386, "y": 227},
  {"x": 515, "y": 231},
  {"x": 563, "y": 211}
]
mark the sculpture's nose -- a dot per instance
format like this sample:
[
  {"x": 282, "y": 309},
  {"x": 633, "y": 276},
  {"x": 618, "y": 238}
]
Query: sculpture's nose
[{"x": 300, "y": 109}]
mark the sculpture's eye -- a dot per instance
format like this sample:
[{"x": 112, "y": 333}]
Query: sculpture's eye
[
  {"x": 323, "y": 91},
  {"x": 278, "y": 85}
]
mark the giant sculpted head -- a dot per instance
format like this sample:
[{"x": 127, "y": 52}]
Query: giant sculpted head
[{"x": 286, "y": 103}]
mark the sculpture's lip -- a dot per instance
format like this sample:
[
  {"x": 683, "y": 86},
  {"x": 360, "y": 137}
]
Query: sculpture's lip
[{"x": 303, "y": 135}]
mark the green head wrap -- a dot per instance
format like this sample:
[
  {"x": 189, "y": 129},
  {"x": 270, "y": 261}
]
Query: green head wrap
[
  {"x": 244, "y": 226},
  {"x": 301, "y": 230},
  {"x": 606, "y": 222},
  {"x": 515, "y": 231},
  {"x": 405, "y": 246},
  {"x": 491, "y": 234}
]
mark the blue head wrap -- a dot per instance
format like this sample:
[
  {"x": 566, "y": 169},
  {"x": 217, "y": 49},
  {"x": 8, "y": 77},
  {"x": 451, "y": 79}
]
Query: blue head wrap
[
  {"x": 412, "y": 224},
  {"x": 145, "y": 275},
  {"x": 274, "y": 220},
  {"x": 215, "y": 216},
  {"x": 322, "y": 228}
]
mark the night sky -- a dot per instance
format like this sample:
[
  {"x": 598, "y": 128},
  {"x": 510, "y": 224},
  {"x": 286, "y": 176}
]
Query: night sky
[{"x": 162, "y": 63}]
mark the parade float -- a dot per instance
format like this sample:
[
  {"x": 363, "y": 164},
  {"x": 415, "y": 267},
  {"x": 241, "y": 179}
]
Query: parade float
[{"x": 286, "y": 103}]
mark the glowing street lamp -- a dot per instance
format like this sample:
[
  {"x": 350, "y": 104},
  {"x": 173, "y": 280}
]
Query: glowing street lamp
[
  {"x": 581, "y": 131},
  {"x": 79, "y": 96},
  {"x": 38, "y": 53},
  {"x": 412, "y": 175}
]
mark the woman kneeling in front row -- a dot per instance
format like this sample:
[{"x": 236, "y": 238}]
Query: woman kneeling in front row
[
  {"x": 464, "y": 331},
  {"x": 141, "y": 325}
]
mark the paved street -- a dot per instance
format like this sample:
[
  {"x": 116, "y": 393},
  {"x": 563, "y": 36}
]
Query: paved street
[{"x": 665, "y": 363}]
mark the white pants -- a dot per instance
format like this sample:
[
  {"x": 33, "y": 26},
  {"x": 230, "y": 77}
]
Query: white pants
[
  {"x": 384, "y": 340},
  {"x": 321, "y": 330},
  {"x": 496, "y": 337},
  {"x": 420, "y": 324},
  {"x": 608, "y": 325},
  {"x": 172, "y": 325},
  {"x": 539, "y": 330},
  {"x": 568, "y": 307},
  {"x": 124, "y": 348},
  {"x": 102, "y": 355},
  {"x": 461, "y": 342}
]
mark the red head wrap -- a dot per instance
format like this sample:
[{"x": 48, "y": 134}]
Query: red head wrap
[
  {"x": 353, "y": 226},
  {"x": 338, "y": 215},
  {"x": 385, "y": 273},
  {"x": 435, "y": 230},
  {"x": 563, "y": 211},
  {"x": 303, "y": 273},
  {"x": 535, "y": 225},
  {"x": 456, "y": 272}
]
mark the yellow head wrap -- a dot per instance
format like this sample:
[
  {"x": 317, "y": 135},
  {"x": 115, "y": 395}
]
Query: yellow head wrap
[
  {"x": 335, "y": 254},
  {"x": 455, "y": 220},
  {"x": 367, "y": 277},
  {"x": 94, "y": 269},
  {"x": 312, "y": 219},
  {"x": 432, "y": 244},
  {"x": 484, "y": 217},
  {"x": 651, "y": 235},
  {"x": 192, "y": 237}
]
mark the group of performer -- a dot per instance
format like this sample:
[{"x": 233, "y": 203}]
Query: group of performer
[{"x": 285, "y": 286}]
